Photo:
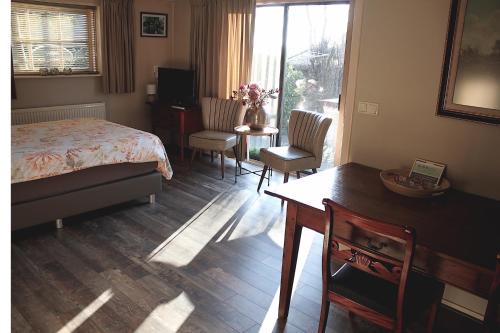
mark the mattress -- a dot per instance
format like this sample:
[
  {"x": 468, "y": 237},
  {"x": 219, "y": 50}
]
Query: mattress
[
  {"x": 51, "y": 186},
  {"x": 54, "y": 148}
]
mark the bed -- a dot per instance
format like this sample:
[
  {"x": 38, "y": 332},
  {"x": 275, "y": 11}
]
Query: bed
[{"x": 67, "y": 167}]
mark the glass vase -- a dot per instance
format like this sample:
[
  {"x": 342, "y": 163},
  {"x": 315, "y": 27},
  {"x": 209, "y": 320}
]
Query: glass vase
[{"x": 256, "y": 117}]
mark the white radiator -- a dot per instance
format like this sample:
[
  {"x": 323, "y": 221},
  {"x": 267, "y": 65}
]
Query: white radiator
[{"x": 51, "y": 113}]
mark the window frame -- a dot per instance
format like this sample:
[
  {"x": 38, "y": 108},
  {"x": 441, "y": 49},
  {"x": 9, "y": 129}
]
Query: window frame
[
  {"x": 94, "y": 61},
  {"x": 286, "y": 6}
]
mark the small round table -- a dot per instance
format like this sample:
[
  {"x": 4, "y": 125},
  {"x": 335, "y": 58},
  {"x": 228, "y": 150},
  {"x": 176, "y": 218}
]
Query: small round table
[{"x": 244, "y": 131}]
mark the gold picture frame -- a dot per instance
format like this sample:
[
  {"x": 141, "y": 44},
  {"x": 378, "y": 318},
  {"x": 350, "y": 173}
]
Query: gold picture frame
[{"x": 470, "y": 82}]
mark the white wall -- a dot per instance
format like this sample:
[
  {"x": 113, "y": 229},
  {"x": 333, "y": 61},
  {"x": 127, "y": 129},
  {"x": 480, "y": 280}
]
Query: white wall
[
  {"x": 127, "y": 109},
  {"x": 401, "y": 53},
  {"x": 401, "y": 49}
]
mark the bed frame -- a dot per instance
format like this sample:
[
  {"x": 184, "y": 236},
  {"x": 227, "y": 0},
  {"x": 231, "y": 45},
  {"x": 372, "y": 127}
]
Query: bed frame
[{"x": 57, "y": 207}]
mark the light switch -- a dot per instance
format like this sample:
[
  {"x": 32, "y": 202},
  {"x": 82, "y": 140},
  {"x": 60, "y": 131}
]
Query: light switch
[
  {"x": 362, "y": 107},
  {"x": 372, "y": 109},
  {"x": 368, "y": 108}
]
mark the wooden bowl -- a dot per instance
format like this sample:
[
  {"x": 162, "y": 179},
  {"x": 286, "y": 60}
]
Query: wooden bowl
[{"x": 394, "y": 180}]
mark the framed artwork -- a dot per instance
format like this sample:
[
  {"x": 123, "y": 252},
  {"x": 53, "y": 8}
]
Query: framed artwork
[
  {"x": 154, "y": 24},
  {"x": 470, "y": 83}
]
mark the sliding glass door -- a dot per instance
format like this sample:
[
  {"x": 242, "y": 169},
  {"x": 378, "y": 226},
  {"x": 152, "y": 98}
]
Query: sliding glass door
[
  {"x": 266, "y": 63},
  {"x": 307, "y": 62}
]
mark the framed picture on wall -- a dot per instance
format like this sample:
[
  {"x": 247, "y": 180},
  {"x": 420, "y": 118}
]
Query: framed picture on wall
[
  {"x": 154, "y": 24},
  {"x": 470, "y": 83}
]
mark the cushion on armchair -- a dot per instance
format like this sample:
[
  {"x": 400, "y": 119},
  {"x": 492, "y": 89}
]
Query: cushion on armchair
[
  {"x": 212, "y": 140},
  {"x": 287, "y": 158}
]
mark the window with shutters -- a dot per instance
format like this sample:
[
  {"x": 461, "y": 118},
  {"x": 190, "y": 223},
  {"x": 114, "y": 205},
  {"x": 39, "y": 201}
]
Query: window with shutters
[{"x": 49, "y": 36}]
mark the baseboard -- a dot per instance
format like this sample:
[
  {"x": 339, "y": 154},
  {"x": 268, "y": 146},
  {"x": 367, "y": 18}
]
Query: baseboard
[{"x": 464, "y": 302}]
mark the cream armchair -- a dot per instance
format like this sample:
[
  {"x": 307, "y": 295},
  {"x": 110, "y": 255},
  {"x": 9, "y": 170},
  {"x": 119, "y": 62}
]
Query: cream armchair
[
  {"x": 306, "y": 136},
  {"x": 220, "y": 117}
]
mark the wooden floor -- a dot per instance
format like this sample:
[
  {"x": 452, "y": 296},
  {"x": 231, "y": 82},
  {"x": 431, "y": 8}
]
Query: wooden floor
[{"x": 205, "y": 258}]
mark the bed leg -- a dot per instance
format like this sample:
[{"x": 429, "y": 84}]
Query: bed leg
[
  {"x": 152, "y": 198},
  {"x": 59, "y": 224}
]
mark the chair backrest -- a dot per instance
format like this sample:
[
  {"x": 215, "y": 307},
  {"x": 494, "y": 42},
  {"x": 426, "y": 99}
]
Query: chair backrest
[
  {"x": 221, "y": 115},
  {"x": 307, "y": 131},
  {"x": 372, "y": 261}
]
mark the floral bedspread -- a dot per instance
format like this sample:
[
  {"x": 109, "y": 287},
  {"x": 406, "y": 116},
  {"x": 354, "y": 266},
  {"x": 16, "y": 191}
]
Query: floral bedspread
[{"x": 54, "y": 148}]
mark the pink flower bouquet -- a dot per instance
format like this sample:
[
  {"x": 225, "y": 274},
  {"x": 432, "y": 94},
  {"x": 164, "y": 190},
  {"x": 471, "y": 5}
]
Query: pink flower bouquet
[{"x": 253, "y": 95}]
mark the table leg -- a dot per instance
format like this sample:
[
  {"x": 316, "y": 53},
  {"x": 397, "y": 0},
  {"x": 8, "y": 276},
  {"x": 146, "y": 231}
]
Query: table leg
[
  {"x": 293, "y": 232},
  {"x": 270, "y": 173},
  {"x": 182, "y": 146},
  {"x": 243, "y": 145},
  {"x": 181, "y": 134},
  {"x": 235, "y": 150}
]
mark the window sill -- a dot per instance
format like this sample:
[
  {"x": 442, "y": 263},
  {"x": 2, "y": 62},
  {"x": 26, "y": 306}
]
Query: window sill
[{"x": 60, "y": 76}]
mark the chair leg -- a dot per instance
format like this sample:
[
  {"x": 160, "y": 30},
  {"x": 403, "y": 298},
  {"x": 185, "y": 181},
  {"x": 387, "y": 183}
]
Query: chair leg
[
  {"x": 193, "y": 154},
  {"x": 222, "y": 164},
  {"x": 298, "y": 174},
  {"x": 285, "y": 180},
  {"x": 315, "y": 170},
  {"x": 432, "y": 317},
  {"x": 212, "y": 156},
  {"x": 323, "y": 317},
  {"x": 238, "y": 163},
  {"x": 262, "y": 177}
]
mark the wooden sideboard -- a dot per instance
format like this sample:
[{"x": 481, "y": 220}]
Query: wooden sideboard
[{"x": 182, "y": 122}]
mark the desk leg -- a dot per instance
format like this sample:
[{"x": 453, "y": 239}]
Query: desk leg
[
  {"x": 182, "y": 147},
  {"x": 235, "y": 150},
  {"x": 181, "y": 134},
  {"x": 293, "y": 232}
]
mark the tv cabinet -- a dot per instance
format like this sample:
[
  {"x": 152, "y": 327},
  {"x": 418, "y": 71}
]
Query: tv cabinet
[{"x": 181, "y": 121}]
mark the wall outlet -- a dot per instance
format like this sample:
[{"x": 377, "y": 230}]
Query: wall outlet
[{"x": 368, "y": 108}]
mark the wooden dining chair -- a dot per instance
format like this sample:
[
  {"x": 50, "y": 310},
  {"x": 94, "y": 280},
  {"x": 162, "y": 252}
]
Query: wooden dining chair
[{"x": 373, "y": 284}]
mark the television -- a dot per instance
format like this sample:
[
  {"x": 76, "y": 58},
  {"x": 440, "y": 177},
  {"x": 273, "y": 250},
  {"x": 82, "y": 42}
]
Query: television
[{"x": 176, "y": 86}]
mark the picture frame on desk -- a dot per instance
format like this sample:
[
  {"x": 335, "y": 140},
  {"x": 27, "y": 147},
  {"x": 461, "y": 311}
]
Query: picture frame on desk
[{"x": 427, "y": 171}]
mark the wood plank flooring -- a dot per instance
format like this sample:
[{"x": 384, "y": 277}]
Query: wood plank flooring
[{"x": 206, "y": 257}]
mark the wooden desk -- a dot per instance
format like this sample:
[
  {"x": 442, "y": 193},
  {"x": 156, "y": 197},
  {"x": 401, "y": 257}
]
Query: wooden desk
[
  {"x": 182, "y": 121},
  {"x": 458, "y": 234}
]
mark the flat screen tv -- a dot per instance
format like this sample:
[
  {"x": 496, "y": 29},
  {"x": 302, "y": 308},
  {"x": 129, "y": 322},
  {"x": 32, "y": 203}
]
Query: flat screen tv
[{"x": 176, "y": 86}]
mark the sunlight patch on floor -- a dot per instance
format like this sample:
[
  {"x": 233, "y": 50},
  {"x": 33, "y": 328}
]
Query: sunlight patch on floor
[
  {"x": 277, "y": 231},
  {"x": 254, "y": 222},
  {"x": 172, "y": 314},
  {"x": 207, "y": 225},
  {"x": 86, "y": 313},
  {"x": 226, "y": 233},
  {"x": 272, "y": 313}
]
